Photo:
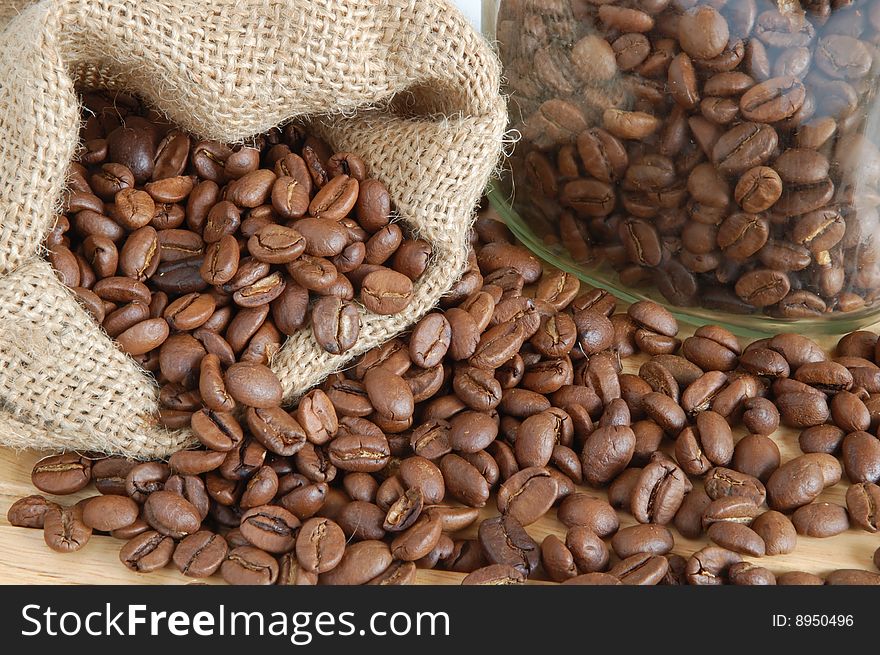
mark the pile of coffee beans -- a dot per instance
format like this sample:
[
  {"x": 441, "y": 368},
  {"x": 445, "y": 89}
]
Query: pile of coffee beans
[
  {"x": 183, "y": 248},
  {"x": 511, "y": 397},
  {"x": 719, "y": 150}
]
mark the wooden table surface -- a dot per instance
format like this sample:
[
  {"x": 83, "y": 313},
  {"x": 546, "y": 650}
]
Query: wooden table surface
[{"x": 24, "y": 557}]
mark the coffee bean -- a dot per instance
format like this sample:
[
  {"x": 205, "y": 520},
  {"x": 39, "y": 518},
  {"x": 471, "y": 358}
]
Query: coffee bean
[
  {"x": 758, "y": 189},
  {"x": 64, "y": 530},
  {"x": 557, "y": 559},
  {"x": 658, "y": 493},
  {"x": 361, "y": 563},
  {"x": 649, "y": 538},
  {"x": 171, "y": 514},
  {"x": 737, "y": 537},
  {"x": 796, "y": 483},
  {"x": 722, "y": 481},
  {"x": 820, "y": 520},
  {"x": 710, "y": 566},
  {"x": 703, "y": 32},
  {"x": 148, "y": 551},
  {"x": 253, "y": 385},
  {"x": 527, "y": 495},
  {"x": 320, "y": 545},
  {"x": 777, "y": 531},
  {"x": 61, "y": 474},
  {"x": 861, "y": 457},
  {"x": 743, "y": 147},
  {"x": 773, "y": 100},
  {"x": 28, "y": 512},
  {"x": 386, "y": 292},
  {"x": 464, "y": 481},
  {"x": 200, "y": 555},
  {"x": 745, "y": 573},
  {"x": 504, "y": 541},
  {"x": 596, "y": 514},
  {"x": 270, "y": 528},
  {"x": 247, "y": 565},
  {"x": 640, "y": 569},
  {"x": 606, "y": 453},
  {"x": 107, "y": 513},
  {"x": 862, "y": 502}
]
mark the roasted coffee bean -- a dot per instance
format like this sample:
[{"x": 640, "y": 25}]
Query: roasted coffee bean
[
  {"x": 658, "y": 493},
  {"x": 247, "y": 565},
  {"x": 820, "y": 520},
  {"x": 758, "y": 189},
  {"x": 386, "y": 292},
  {"x": 852, "y": 577},
  {"x": 640, "y": 569},
  {"x": 361, "y": 563},
  {"x": 107, "y": 513},
  {"x": 665, "y": 412},
  {"x": 464, "y": 481},
  {"x": 737, "y": 537},
  {"x": 146, "y": 478},
  {"x": 28, "y": 512},
  {"x": 201, "y": 554},
  {"x": 557, "y": 559},
  {"x": 454, "y": 518},
  {"x": 320, "y": 545},
  {"x": 863, "y": 505},
  {"x": 743, "y": 147},
  {"x": 64, "y": 530},
  {"x": 504, "y": 541},
  {"x": 688, "y": 519},
  {"x": 253, "y": 385},
  {"x": 803, "y": 409},
  {"x": 270, "y": 528},
  {"x": 821, "y": 439},
  {"x": 148, "y": 551},
  {"x": 861, "y": 457},
  {"x": 709, "y": 443},
  {"x": 61, "y": 474},
  {"x": 418, "y": 540},
  {"x": 799, "y": 578},
  {"x": 745, "y": 573},
  {"x": 650, "y": 538},
  {"x": 527, "y": 495},
  {"x": 606, "y": 453},
  {"x": 760, "y": 416},
  {"x": 777, "y": 531},
  {"x": 756, "y": 455},
  {"x": 404, "y": 511},
  {"x": 796, "y": 483},
  {"x": 143, "y": 337},
  {"x": 171, "y": 514},
  {"x": 589, "y": 552},
  {"x": 710, "y": 566},
  {"x": 359, "y": 452},
  {"x": 217, "y": 430},
  {"x": 773, "y": 100},
  {"x": 731, "y": 509},
  {"x": 722, "y": 481},
  {"x": 596, "y": 514},
  {"x": 336, "y": 324}
]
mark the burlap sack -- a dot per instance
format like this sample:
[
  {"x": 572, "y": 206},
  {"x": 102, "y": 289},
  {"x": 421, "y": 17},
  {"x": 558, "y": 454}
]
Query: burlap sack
[{"x": 407, "y": 84}]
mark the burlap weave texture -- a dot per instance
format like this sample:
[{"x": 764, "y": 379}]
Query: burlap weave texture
[{"x": 406, "y": 84}]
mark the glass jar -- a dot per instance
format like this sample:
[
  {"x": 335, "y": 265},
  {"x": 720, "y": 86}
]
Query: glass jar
[{"x": 717, "y": 155}]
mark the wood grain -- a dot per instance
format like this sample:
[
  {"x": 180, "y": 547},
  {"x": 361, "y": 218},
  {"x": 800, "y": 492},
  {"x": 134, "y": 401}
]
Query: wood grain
[{"x": 25, "y": 559}]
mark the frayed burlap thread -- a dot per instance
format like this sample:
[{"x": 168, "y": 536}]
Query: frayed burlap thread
[{"x": 407, "y": 84}]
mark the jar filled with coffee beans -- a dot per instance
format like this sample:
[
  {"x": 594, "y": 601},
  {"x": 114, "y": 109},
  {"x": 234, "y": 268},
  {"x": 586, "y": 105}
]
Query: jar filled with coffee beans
[{"x": 718, "y": 155}]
